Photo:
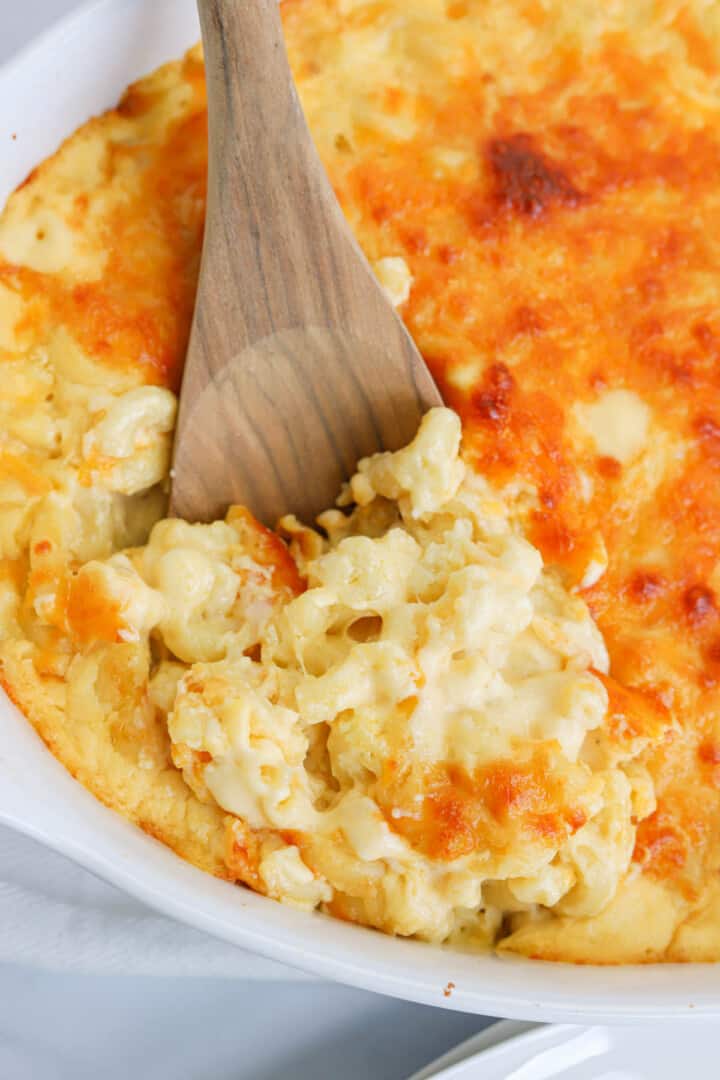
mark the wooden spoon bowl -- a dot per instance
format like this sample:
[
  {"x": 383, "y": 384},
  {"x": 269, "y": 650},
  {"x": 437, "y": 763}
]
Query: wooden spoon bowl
[{"x": 298, "y": 364}]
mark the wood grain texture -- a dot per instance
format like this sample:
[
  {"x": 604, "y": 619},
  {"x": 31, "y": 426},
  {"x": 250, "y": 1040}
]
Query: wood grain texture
[{"x": 297, "y": 365}]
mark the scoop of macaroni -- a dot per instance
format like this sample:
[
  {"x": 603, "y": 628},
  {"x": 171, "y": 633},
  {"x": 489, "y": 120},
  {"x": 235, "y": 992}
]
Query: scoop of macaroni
[{"x": 394, "y": 711}]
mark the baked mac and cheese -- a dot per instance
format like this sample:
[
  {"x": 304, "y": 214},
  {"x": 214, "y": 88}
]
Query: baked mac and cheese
[{"x": 478, "y": 702}]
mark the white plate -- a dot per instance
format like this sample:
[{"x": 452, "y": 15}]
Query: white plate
[
  {"x": 583, "y": 1053},
  {"x": 473, "y": 1047},
  {"x": 73, "y": 71}
]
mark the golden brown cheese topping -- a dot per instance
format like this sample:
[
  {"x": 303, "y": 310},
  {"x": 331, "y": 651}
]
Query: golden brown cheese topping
[{"x": 536, "y": 188}]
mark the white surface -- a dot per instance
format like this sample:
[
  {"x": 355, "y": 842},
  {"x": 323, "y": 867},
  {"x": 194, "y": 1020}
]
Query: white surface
[
  {"x": 43, "y": 95},
  {"x": 586, "y": 1053},
  {"x": 62, "y": 1027},
  {"x": 56, "y": 916}
]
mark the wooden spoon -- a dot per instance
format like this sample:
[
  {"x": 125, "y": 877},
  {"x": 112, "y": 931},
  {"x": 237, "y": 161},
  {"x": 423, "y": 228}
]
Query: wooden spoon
[{"x": 298, "y": 365}]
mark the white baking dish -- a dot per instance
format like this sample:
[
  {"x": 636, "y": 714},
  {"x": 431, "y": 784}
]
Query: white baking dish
[{"x": 77, "y": 69}]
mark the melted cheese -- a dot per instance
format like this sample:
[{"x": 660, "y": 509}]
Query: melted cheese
[
  {"x": 395, "y": 277},
  {"x": 618, "y": 424}
]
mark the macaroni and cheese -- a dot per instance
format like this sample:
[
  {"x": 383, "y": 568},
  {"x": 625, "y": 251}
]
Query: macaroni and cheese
[{"x": 477, "y": 703}]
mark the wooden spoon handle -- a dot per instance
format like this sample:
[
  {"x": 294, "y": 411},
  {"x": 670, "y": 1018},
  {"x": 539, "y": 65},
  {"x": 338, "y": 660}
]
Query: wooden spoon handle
[
  {"x": 264, "y": 170},
  {"x": 243, "y": 39}
]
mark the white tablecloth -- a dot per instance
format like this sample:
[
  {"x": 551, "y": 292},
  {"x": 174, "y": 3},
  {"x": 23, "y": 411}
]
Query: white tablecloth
[
  {"x": 54, "y": 915},
  {"x": 66, "y": 1023}
]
